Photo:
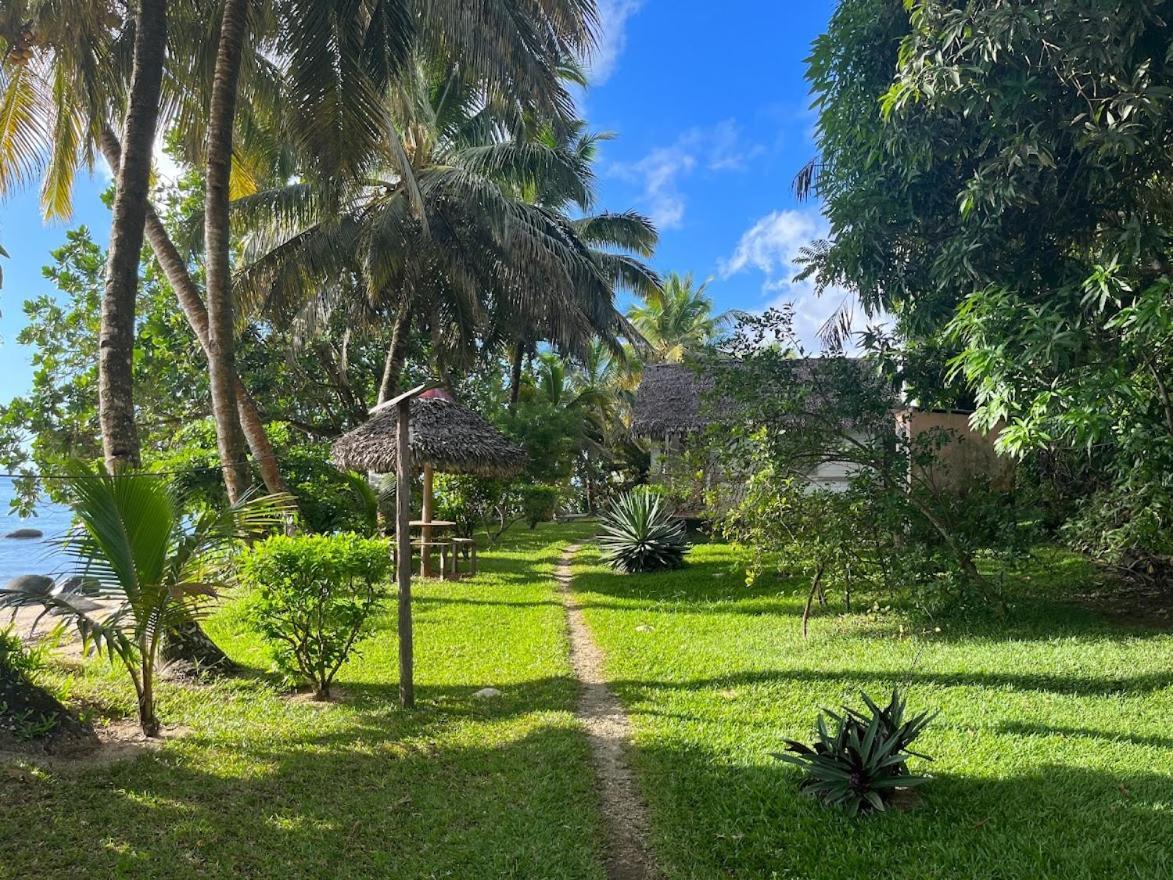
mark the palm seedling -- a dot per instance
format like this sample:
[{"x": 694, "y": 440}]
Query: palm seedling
[{"x": 151, "y": 567}]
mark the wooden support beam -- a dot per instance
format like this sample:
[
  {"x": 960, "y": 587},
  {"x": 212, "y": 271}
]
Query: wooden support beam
[
  {"x": 403, "y": 480},
  {"x": 403, "y": 542}
]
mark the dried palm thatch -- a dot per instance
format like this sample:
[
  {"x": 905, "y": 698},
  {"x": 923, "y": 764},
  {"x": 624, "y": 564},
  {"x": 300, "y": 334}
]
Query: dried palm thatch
[
  {"x": 672, "y": 400},
  {"x": 681, "y": 398},
  {"x": 444, "y": 435}
]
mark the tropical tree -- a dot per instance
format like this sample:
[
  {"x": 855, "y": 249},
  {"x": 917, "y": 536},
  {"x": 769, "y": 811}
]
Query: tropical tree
[
  {"x": 617, "y": 241},
  {"x": 480, "y": 252},
  {"x": 152, "y": 567},
  {"x": 679, "y": 320},
  {"x": 120, "y": 441},
  {"x": 56, "y": 92},
  {"x": 996, "y": 177}
]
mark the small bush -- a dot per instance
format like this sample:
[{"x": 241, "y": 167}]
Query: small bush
[
  {"x": 16, "y": 660},
  {"x": 539, "y": 503},
  {"x": 863, "y": 760},
  {"x": 639, "y": 534},
  {"x": 314, "y": 596}
]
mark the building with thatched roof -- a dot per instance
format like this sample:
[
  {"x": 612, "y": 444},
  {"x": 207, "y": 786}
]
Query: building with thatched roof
[
  {"x": 445, "y": 436},
  {"x": 674, "y": 402}
]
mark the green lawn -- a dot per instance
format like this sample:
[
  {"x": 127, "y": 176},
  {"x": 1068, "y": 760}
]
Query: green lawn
[
  {"x": 1054, "y": 757},
  {"x": 264, "y": 787}
]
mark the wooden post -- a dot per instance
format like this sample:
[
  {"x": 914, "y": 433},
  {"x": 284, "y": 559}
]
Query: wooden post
[
  {"x": 403, "y": 546},
  {"x": 403, "y": 480},
  {"x": 425, "y": 531}
]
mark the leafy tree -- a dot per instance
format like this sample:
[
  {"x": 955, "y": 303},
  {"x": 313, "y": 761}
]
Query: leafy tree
[
  {"x": 996, "y": 176},
  {"x": 782, "y": 416}
]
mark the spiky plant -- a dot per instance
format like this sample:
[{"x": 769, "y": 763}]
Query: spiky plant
[
  {"x": 863, "y": 761},
  {"x": 638, "y": 534}
]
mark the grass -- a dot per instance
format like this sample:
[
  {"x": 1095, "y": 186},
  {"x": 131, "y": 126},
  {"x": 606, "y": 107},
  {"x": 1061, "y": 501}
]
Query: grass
[
  {"x": 1053, "y": 752},
  {"x": 263, "y": 786},
  {"x": 1054, "y": 757}
]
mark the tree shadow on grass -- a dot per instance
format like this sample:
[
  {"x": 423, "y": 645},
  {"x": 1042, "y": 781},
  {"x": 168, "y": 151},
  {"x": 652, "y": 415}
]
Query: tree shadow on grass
[
  {"x": 381, "y": 798},
  {"x": 1019, "y": 728},
  {"x": 717, "y": 587},
  {"x": 714, "y": 818},
  {"x": 879, "y": 681}
]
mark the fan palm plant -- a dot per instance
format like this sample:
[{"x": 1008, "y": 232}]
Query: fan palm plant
[{"x": 152, "y": 567}]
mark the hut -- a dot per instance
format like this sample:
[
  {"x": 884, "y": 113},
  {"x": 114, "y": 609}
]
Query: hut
[
  {"x": 444, "y": 436},
  {"x": 430, "y": 429},
  {"x": 675, "y": 402}
]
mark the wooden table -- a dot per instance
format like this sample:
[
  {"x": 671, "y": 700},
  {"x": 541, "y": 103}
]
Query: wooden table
[{"x": 426, "y": 526}]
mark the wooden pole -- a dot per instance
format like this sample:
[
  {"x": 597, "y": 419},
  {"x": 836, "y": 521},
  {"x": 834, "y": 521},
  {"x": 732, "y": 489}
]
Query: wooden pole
[
  {"x": 425, "y": 531},
  {"x": 403, "y": 547}
]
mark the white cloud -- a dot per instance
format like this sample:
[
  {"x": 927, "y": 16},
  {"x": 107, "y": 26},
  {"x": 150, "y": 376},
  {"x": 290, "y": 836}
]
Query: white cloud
[
  {"x": 773, "y": 243},
  {"x": 716, "y": 149},
  {"x": 772, "y": 247},
  {"x": 612, "y": 37}
]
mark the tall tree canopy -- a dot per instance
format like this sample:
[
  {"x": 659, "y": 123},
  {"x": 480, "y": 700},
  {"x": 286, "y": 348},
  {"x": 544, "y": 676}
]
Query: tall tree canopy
[{"x": 996, "y": 175}]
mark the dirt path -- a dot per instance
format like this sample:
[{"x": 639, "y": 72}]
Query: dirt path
[{"x": 607, "y": 725}]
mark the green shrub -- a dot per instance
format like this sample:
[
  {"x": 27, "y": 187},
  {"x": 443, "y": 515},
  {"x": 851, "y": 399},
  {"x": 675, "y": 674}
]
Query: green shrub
[
  {"x": 17, "y": 661},
  {"x": 638, "y": 534},
  {"x": 313, "y": 600},
  {"x": 539, "y": 503},
  {"x": 863, "y": 761}
]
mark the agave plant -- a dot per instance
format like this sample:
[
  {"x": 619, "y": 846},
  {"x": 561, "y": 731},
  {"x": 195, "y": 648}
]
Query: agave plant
[
  {"x": 640, "y": 535},
  {"x": 863, "y": 761},
  {"x": 152, "y": 567}
]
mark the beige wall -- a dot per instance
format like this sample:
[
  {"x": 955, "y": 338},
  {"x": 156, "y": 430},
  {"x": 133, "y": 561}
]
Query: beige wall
[{"x": 967, "y": 454}]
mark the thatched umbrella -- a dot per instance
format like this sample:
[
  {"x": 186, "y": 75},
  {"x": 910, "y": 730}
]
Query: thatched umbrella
[
  {"x": 431, "y": 428},
  {"x": 444, "y": 436}
]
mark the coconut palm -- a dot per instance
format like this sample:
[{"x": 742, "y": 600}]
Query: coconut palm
[
  {"x": 56, "y": 93},
  {"x": 151, "y": 567},
  {"x": 679, "y": 321},
  {"x": 617, "y": 242},
  {"x": 482, "y": 256}
]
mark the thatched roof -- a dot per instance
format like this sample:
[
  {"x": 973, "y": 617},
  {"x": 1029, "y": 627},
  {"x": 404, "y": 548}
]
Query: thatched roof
[
  {"x": 670, "y": 399},
  {"x": 444, "y": 434},
  {"x": 679, "y": 399}
]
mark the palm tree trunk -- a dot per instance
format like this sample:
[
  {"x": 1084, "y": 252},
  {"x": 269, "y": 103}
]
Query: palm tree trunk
[
  {"x": 396, "y": 353},
  {"x": 221, "y": 339},
  {"x": 120, "y": 441},
  {"x": 192, "y": 304},
  {"x": 515, "y": 375}
]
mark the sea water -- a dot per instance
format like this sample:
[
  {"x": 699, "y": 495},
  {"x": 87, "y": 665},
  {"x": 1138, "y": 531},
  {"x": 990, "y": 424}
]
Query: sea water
[{"x": 30, "y": 555}]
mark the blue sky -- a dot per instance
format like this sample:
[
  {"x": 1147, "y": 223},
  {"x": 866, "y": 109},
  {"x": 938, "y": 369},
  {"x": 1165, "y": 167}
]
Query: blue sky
[{"x": 712, "y": 119}]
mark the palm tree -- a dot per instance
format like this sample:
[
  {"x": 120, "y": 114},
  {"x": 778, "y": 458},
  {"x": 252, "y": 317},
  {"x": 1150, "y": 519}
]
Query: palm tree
[
  {"x": 680, "y": 320},
  {"x": 616, "y": 242},
  {"x": 59, "y": 86},
  {"x": 56, "y": 93},
  {"x": 120, "y": 441},
  {"x": 221, "y": 348},
  {"x": 154, "y": 567},
  {"x": 481, "y": 256}
]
